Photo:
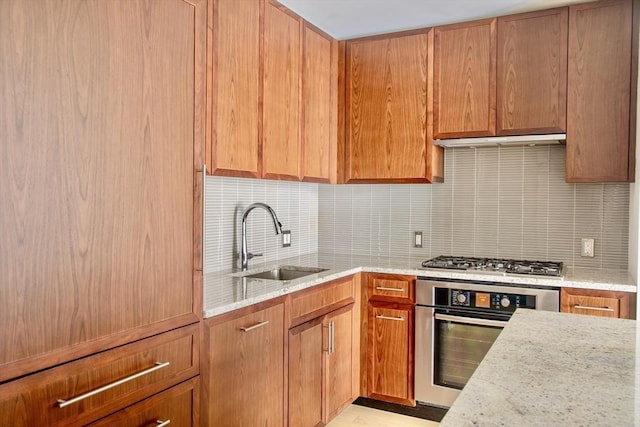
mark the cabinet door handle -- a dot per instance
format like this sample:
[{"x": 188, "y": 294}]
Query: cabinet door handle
[
  {"x": 586, "y": 307},
  {"x": 159, "y": 365},
  {"x": 256, "y": 326},
  {"x": 161, "y": 423},
  {"x": 384, "y": 288},
  {"x": 399, "y": 319},
  {"x": 332, "y": 337}
]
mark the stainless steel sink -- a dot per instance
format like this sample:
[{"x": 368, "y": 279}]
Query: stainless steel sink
[{"x": 286, "y": 272}]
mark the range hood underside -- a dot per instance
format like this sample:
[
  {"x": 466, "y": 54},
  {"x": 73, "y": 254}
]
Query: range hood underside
[{"x": 493, "y": 141}]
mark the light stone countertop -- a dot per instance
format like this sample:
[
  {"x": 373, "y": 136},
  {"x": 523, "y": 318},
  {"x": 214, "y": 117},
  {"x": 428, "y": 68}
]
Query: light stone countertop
[
  {"x": 555, "y": 369},
  {"x": 226, "y": 290}
]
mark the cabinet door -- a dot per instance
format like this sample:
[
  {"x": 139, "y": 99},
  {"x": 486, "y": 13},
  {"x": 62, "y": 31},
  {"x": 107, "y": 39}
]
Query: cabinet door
[
  {"x": 281, "y": 97},
  {"x": 532, "y": 77},
  {"x": 599, "y": 90},
  {"x": 100, "y": 132},
  {"x": 464, "y": 80},
  {"x": 244, "y": 369},
  {"x": 597, "y": 303},
  {"x": 235, "y": 75},
  {"x": 319, "y": 107},
  {"x": 387, "y": 109},
  {"x": 390, "y": 374},
  {"x": 305, "y": 374},
  {"x": 339, "y": 361}
]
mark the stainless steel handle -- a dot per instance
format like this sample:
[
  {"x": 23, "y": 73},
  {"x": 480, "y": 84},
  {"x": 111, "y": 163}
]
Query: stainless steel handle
[
  {"x": 163, "y": 423},
  {"x": 586, "y": 307},
  {"x": 159, "y": 365},
  {"x": 383, "y": 288},
  {"x": 256, "y": 326},
  {"x": 471, "y": 320},
  {"x": 332, "y": 337},
  {"x": 380, "y": 316}
]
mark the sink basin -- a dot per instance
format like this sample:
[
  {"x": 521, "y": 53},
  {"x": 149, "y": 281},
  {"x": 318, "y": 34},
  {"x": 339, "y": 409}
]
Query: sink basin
[{"x": 286, "y": 272}]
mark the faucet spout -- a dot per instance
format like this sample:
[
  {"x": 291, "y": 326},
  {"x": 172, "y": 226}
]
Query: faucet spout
[{"x": 246, "y": 256}]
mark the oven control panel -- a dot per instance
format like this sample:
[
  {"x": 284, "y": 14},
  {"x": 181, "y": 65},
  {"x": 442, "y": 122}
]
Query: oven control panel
[{"x": 490, "y": 300}]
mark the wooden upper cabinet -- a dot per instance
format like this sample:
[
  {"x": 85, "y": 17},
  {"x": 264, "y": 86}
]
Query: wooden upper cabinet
[
  {"x": 282, "y": 81},
  {"x": 234, "y": 122},
  {"x": 464, "y": 80},
  {"x": 532, "y": 77},
  {"x": 387, "y": 96},
  {"x": 100, "y": 139},
  {"x": 319, "y": 107},
  {"x": 600, "y": 146}
]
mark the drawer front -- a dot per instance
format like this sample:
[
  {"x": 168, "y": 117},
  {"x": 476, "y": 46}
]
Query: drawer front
[
  {"x": 592, "y": 305},
  {"x": 87, "y": 389},
  {"x": 176, "y": 407},
  {"x": 312, "y": 303},
  {"x": 393, "y": 288}
]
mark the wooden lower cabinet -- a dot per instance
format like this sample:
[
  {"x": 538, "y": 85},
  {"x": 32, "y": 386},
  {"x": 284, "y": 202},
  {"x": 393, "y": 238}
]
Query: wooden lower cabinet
[
  {"x": 87, "y": 389},
  {"x": 243, "y": 369},
  {"x": 390, "y": 344},
  {"x": 177, "y": 406},
  {"x": 597, "y": 303}
]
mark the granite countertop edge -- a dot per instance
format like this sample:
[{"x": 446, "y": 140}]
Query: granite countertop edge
[{"x": 225, "y": 291}]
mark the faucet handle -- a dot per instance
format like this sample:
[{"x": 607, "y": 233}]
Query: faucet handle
[{"x": 250, "y": 255}]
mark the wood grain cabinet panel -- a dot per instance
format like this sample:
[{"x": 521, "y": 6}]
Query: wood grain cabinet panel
[
  {"x": 149, "y": 366},
  {"x": 340, "y": 362},
  {"x": 597, "y": 303},
  {"x": 391, "y": 287},
  {"x": 234, "y": 122},
  {"x": 600, "y": 144},
  {"x": 101, "y": 131},
  {"x": 390, "y": 352},
  {"x": 177, "y": 406},
  {"x": 388, "y": 136},
  {"x": 532, "y": 77},
  {"x": 243, "y": 369},
  {"x": 281, "y": 153},
  {"x": 464, "y": 80}
]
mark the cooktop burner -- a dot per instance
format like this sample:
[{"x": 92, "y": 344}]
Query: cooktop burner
[{"x": 496, "y": 265}]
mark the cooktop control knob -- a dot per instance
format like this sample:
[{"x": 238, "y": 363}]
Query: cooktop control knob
[
  {"x": 505, "y": 302},
  {"x": 461, "y": 298}
]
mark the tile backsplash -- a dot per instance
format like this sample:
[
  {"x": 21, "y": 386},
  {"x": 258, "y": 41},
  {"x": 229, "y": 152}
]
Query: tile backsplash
[
  {"x": 496, "y": 202},
  {"x": 295, "y": 204}
]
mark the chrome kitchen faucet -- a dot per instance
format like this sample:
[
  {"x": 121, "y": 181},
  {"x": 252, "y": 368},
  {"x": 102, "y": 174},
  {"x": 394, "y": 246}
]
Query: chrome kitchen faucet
[{"x": 246, "y": 255}]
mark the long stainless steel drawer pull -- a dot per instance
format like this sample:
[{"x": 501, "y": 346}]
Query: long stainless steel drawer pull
[
  {"x": 586, "y": 307},
  {"x": 256, "y": 326},
  {"x": 163, "y": 423},
  {"x": 159, "y": 365},
  {"x": 383, "y": 288},
  {"x": 471, "y": 320},
  {"x": 380, "y": 316}
]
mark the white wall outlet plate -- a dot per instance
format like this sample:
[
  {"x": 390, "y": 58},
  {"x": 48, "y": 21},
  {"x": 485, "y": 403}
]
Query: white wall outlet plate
[
  {"x": 417, "y": 239},
  {"x": 587, "y": 248},
  {"x": 286, "y": 238}
]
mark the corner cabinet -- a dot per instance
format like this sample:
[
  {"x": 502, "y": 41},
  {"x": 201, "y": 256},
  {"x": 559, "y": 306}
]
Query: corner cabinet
[
  {"x": 388, "y": 121},
  {"x": 243, "y": 367},
  {"x": 601, "y": 101},
  {"x": 597, "y": 303},
  {"x": 102, "y": 136},
  {"x": 390, "y": 338}
]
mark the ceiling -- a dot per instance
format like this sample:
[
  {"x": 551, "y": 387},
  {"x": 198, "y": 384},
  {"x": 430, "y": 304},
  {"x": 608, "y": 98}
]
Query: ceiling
[{"x": 344, "y": 19}]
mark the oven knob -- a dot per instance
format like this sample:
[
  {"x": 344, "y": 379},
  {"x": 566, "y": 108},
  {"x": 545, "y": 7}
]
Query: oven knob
[
  {"x": 461, "y": 298},
  {"x": 505, "y": 302}
]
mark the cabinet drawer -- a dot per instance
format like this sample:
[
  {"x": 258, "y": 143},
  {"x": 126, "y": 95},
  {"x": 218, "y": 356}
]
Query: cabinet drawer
[
  {"x": 87, "y": 389},
  {"x": 391, "y": 287},
  {"x": 309, "y": 304},
  {"x": 597, "y": 303},
  {"x": 176, "y": 406}
]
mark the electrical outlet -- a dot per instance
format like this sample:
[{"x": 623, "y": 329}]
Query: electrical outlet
[
  {"x": 286, "y": 238},
  {"x": 588, "y": 248},
  {"x": 417, "y": 239}
]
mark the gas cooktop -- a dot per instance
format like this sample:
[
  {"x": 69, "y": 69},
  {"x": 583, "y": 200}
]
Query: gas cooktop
[{"x": 496, "y": 265}]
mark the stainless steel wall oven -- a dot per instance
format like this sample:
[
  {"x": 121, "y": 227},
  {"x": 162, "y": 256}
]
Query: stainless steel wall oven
[{"x": 457, "y": 321}]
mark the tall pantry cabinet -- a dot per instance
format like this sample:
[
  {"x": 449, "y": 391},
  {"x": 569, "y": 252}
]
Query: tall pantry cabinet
[{"x": 101, "y": 123}]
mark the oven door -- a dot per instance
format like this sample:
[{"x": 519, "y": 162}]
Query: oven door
[{"x": 450, "y": 344}]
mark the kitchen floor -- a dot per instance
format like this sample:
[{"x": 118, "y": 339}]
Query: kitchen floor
[{"x": 358, "y": 416}]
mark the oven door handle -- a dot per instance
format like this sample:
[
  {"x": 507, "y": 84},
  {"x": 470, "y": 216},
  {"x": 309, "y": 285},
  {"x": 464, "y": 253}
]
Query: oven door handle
[{"x": 470, "y": 320}]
